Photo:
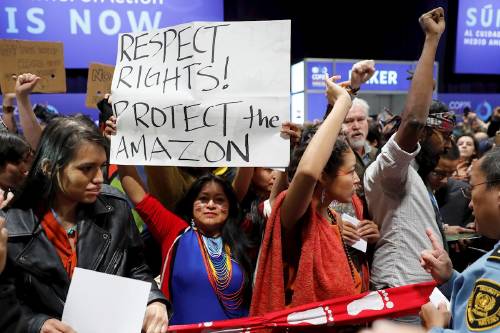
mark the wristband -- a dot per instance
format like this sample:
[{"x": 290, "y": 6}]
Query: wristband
[
  {"x": 352, "y": 91},
  {"x": 8, "y": 109}
]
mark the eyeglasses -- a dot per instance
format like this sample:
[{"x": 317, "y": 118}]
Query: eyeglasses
[
  {"x": 441, "y": 174},
  {"x": 467, "y": 191}
]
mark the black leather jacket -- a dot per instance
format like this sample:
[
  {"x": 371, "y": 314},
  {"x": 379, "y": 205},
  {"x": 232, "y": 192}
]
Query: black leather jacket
[{"x": 108, "y": 242}]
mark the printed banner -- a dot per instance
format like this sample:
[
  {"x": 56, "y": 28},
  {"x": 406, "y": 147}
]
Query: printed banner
[
  {"x": 350, "y": 310},
  {"x": 89, "y": 28},
  {"x": 203, "y": 94},
  {"x": 478, "y": 37}
]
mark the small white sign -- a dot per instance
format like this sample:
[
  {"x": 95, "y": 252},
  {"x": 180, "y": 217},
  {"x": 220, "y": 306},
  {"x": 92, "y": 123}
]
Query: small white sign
[
  {"x": 361, "y": 244},
  {"x": 103, "y": 303},
  {"x": 437, "y": 298}
]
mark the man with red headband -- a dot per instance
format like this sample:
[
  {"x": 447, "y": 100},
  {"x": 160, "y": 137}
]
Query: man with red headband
[{"x": 398, "y": 198}]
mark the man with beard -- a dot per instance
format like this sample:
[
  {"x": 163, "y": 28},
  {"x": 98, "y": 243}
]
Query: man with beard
[
  {"x": 398, "y": 199},
  {"x": 356, "y": 131}
]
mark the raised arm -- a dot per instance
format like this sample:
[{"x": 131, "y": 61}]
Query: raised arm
[
  {"x": 315, "y": 157},
  {"x": 131, "y": 181},
  {"x": 25, "y": 84},
  {"x": 242, "y": 181},
  {"x": 280, "y": 184},
  {"x": 420, "y": 95}
]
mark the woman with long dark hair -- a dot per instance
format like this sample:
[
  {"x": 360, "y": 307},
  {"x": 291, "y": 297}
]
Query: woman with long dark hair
[
  {"x": 469, "y": 151},
  {"x": 206, "y": 271},
  {"x": 65, "y": 217},
  {"x": 302, "y": 244},
  {"x": 15, "y": 161}
]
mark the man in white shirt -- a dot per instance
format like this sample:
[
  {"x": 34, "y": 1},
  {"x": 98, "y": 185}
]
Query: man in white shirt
[{"x": 398, "y": 199}]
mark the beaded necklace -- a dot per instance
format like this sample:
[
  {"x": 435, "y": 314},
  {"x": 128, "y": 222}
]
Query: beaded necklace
[
  {"x": 70, "y": 231},
  {"x": 217, "y": 260},
  {"x": 351, "y": 266}
]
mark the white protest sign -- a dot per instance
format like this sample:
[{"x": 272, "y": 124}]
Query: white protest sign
[
  {"x": 103, "y": 303},
  {"x": 203, "y": 94}
]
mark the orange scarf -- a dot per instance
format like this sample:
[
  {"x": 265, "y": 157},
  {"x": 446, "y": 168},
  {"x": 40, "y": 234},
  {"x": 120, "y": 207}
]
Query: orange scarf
[
  {"x": 320, "y": 272},
  {"x": 58, "y": 237}
]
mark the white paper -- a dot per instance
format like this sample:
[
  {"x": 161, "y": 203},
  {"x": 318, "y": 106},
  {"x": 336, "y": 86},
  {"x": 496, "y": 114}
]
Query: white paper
[
  {"x": 437, "y": 298},
  {"x": 361, "y": 244},
  {"x": 215, "y": 95},
  {"x": 103, "y": 303}
]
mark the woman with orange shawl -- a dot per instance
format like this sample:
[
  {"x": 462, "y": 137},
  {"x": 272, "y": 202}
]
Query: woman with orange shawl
[{"x": 303, "y": 257}]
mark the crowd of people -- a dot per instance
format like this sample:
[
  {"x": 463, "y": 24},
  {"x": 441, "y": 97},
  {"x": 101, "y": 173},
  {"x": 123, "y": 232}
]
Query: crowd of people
[{"x": 226, "y": 243}]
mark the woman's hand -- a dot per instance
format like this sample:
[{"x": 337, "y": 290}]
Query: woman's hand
[
  {"x": 3, "y": 244},
  {"x": 155, "y": 319},
  {"x": 5, "y": 198},
  {"x": 292, "y": 131},
  {"x": 335, "y": 91},
  {"x": 56, "y": 326},
  {"x": 110, "y": 127},
  {"x": 349, "y": 233}
]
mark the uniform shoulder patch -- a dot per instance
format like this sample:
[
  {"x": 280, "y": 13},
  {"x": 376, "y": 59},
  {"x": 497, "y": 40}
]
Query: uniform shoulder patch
[
  {"x": 483, "y": 307},
  {"x": 495, "y": 256}
]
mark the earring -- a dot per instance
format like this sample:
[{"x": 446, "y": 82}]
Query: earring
[{"x": 191, "y": 223}]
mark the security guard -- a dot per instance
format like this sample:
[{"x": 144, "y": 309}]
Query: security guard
[
  {"x": 475, "y": 301},
  {"x": 475, "y": 293}
]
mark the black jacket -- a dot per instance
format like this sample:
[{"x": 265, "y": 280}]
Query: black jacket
[
  {"x": 10, "y": 311},
  {"x": 108, "y": 242}
]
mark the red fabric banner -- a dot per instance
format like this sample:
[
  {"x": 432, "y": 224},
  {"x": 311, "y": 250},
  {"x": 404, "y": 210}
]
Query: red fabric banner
[{"x": 342, "y": 311}]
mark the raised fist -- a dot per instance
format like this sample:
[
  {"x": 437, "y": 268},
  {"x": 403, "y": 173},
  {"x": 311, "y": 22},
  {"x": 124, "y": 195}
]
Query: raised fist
[{"x": 432, "y": 22}]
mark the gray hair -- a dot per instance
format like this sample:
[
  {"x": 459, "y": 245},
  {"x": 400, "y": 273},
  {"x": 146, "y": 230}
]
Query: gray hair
[
  {"x": 363, "y": 104},
  {"x": 490, "y": 166}
]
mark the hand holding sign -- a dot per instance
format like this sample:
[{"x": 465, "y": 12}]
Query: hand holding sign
[
  {"x": 435, "y": 317},
  {"x": 56, "y": 326},
  {"x": 156, "y": 318}
]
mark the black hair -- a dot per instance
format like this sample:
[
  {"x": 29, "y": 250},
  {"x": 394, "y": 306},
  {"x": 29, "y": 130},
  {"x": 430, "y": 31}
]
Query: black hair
[
  {"x": 13, "y": 148},
  {"x": 336, "y": 157},
  {"x": 58, "y": 145},
  {"x": 490, "y": 166},
  {"x": 437, "y": 107},
  {"x": 452, "y": 153},
  {"x": 428, "y": 157},
  {"x": 231, "y": 232},
  {"x": 466, "y": 111},
  {"x": 374, "y": 134}
]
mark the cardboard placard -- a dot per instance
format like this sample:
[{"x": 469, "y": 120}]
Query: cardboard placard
[
  {"x": 98, "y": 83},
  {"x": 203, "y": 94},
  {"x": 45, "y": 59}
]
